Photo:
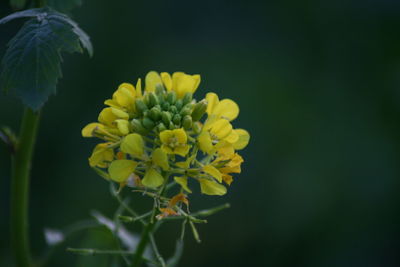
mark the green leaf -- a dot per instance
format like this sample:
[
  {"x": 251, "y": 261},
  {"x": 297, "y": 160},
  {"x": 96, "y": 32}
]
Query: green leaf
[
  {"x": 64, "y": 5},
  {"x": 31, "y": 64}
]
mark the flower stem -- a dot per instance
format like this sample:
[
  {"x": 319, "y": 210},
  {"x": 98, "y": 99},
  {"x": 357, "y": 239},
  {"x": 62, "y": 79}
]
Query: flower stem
[{"x": 21, "y": 165}]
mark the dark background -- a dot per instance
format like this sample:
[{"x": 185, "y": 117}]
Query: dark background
[{"x": 318, "y": 86}]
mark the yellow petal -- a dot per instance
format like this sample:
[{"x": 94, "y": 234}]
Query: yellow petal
[
  {"x": 112, "y": 103},
  {"x": 225, "y": 152},
  {"x": 165, "y": 136},
  {"x": 233, "y": 137},
  {"x": 244, "y": 138},
  {"x": 228, "y": 179},
  {"x": 119, "y": 113},
  {"x": 106, "y": 116},
  {"x": 133, "y": 144},
  {"x": 214, "y": 172},
  {"x": 221, "y": 128},
  {"x": 183, "y": 83},
  {"x": 87, "y": 131},
  {"x": 120, "y": 170},
  {"x": 160, "y": 158},
  {"x": 139, "y": 88},
  {"x": 205, "y": 142},
  {"x": 101, "y": 156},
  {"x": 167, "y": 149},
  {"x": 227, "y": 109},
  {"x": 166, "y": 78},
  {"x": 209, "y": 187},
  {"x": 180, "y": 135},
  {"x": 109, "y": 115},
  {"x": 183, "y": 181},
  {"x": 182, "y": 150},
  {"x": 212, "y": 102},
  {"x": 125, "y": 95},
  {"x": 152, "y": 178},
  {"x": 123, "y": 126},
  {"x": 152, "y": 79}
]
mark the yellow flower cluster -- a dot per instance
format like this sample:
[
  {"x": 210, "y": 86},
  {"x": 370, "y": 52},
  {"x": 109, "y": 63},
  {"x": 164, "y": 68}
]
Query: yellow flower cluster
[{"x": 152, "y": 134}]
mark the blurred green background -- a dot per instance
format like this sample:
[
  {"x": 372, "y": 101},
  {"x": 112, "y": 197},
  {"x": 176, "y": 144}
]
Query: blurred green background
[{"x": 318, "y": 84}]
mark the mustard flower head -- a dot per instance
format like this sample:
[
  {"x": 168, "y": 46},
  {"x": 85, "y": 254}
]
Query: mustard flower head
[{"x": 157, "y": 130}]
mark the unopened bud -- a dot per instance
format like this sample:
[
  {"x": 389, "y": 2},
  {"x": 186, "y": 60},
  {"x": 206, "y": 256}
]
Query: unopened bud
[
  {"x": 173, "y": 109},
  {"x": 186, "y": 110},
  {"x": 197, "y": 127},
  {"x": 187, "y": 122},
  {"x": 166, "y": 117},
  {"x": 138, "y": 127},
  {"x": 148, "y": 123},
  {"x": 177, "y": 119},
  {"x": 179, "y": 104},
  {"x": 160, "y": 89},
  {"x": 187, "y": 98},
  {"x": 140, "y": 106},
  {"x": 171, "y": 97},
  {"x": 153, "y": 99},
  {"x": 155, "y": 113},
  {"x": 165, "y": 106},
  {"x": 161, "y": 127},
  {"x": 171, "y": 125},
  {"x": 199, "y": 110}
]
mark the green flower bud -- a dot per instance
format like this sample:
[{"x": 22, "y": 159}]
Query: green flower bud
[
  {"x": 173, "y": 109},
  {"x": 165, "y": 106},
  {"x": 196, "y": 127},
  {"x": 186, "y": 110},
  {"x": 187, "y": 98},
  {"x": 166, "y": 117},
  {"x": 171, "y": 97},
  {"x": 138, "y": 127},
  {"x": 153, "y": 99},
  {"x": 155, "y": 113},
  {"x": 199, "y": 110},
  {"x": 160, "y": 90},
  {"x": 179, "y": 104},
  {"x": 177, "y": 119},
  {"x": 171, "y": 125},
  {"x": 187, "y": 122},
  {"x": 161, "y": 127},
  {"x": 140, "y": 106},
  {"x": 148, "y": 123}
]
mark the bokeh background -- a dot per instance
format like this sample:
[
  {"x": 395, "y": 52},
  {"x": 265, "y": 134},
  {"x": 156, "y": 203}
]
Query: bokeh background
[{"x": 318, "y": 83}]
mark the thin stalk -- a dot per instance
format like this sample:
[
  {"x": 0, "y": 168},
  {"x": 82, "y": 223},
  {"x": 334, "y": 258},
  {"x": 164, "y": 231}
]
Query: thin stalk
[
  {"x": 21, "y": 165},
  {"x": 137, "y": 259},
  {"x": 147, "y": 231}
]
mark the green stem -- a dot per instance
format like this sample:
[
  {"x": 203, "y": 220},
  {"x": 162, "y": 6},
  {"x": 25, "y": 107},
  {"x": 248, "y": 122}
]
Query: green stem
[
  {"x": 147, "y": 231},
  {"x": 137, "y": 259},
  {"x": 21, "y": 165}
]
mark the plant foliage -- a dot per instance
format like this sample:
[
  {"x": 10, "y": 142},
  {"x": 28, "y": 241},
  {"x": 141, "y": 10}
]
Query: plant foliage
[{"x": 31, "y": 64}]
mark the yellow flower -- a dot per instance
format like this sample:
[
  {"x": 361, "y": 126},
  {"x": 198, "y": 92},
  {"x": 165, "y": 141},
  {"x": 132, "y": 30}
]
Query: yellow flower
[
  {"x": 180, "y": 82},
  {"x": 102, "y": 155},
  {"x": 121, "y": 169},
  {"x": 152, "y": 178},
  {"x": 231, "y": 163},
  {"x": 133, "y": 144},
  {"x": 123, "y": 98},
  {"x": 174, "y": 142},
  {"x": 183, "y": 181},
  {"x": 160, "y": 158},
  {"x": 214, "y": 132},
  {"x": 226, "y": 108},
  {"x": 209, "y": 187}
]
